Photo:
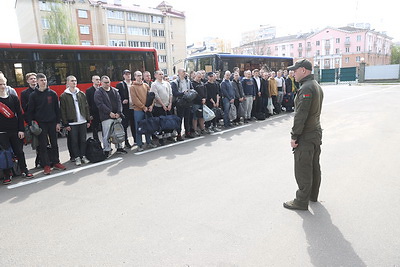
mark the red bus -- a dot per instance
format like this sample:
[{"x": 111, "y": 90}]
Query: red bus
[{"x": 57, "y": 62}]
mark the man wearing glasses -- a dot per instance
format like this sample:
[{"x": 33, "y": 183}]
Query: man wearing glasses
[
  {"x": 108, "y": 101},
  {"x": 306, "y": 136}
]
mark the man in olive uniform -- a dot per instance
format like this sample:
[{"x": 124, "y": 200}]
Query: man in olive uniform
[{"x": 306, "y": 136}]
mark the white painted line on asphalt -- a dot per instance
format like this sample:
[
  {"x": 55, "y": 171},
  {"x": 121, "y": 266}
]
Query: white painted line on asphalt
[
  {"x": 170, "y": 145},
  {"x": 47, "y": 177},
  {"x": 231, "y": 129}
]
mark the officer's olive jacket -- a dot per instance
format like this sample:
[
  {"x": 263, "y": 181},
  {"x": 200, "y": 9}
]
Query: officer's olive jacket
[{"x": 308, "y": 104}]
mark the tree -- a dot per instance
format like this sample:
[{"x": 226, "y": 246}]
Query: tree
[
  {"x": 61, "y": 30},
  {"x": 395, "y": 54}
]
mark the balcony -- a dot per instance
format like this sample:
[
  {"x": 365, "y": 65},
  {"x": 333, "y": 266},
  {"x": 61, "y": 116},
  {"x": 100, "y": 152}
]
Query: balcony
[
  {"x": 347, "y": 43},
  {"x": 300, "y": 49},
  {"x": 308, "y": 47},
  {"x": 327, "y": 45}
]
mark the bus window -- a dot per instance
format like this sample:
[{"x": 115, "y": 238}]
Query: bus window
[
  {"x": 92, "y": 55},
  {"x": 16, "y": 55},
  {"x": 58, "y": 56},
  {"x": 56, "y": 72},
  {"x": 205, "y": 64},
  {"x": 89, "y": 68},
  {"x": 19, "y": 75},
  {"x": 191, "y": 65}
]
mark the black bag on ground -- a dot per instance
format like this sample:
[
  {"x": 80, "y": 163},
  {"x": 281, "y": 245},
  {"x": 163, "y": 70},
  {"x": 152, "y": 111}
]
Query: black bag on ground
[
  {"x": 219, "y": 114},
  {"x": 260, "y": 116},
  {"x": 94, "y": 151}
]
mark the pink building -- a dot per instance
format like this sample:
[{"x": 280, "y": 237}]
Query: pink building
[{"x": 329, "y": 48}]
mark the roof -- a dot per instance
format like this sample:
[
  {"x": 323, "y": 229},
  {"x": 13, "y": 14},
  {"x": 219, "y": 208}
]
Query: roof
[
  {"x": 226, "y": 55},
  {"x": 162, "y": 9}
]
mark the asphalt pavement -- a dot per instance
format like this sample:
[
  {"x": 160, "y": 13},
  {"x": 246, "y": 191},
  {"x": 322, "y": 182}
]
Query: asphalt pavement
[{"x": 217, "y": 200}]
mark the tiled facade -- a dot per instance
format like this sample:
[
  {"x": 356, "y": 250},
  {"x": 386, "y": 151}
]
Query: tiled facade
[
  {"x": 99, "y": 23},
  {"x": 329, "y": 48}
]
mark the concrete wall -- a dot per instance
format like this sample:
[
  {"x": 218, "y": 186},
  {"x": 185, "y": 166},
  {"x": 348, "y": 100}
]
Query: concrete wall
[{"x": 384, "y": 72}]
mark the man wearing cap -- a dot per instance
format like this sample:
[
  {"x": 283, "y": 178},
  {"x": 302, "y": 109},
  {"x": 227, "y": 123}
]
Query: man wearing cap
[
  {"x": 306, "y": 136},
  {"x": 124, "y": 92}
]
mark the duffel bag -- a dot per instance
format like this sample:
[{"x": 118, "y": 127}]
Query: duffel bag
[
  {"x": 149, "y": 125},
  {"x": 170, "y": 122}
]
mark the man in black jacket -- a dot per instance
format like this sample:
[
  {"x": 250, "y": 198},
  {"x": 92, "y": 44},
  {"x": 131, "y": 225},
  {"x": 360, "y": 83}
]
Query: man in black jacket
[
  {"x": 109, "y": 103},
  {"x": 43, "y": 107},
  {"x": 32, "y": 81},
  {"x": 94, "y": 112},
  {"x": 124, "y": 92}
]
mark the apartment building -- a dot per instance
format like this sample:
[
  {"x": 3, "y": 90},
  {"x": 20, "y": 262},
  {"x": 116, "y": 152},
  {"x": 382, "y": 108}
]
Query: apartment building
[
  {"x": 111, "y": 24},
  {"x": 329, "y": 48}
]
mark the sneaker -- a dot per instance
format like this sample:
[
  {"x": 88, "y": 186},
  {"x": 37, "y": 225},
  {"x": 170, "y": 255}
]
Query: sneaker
[
  {"x": 27, "y": 174},
  {"x": 140, "y": 148},
  {"x": 179, "y": 138},
  {"x": 189, "y": 135},
  {"x": 127, "y": 145},
  {"x": 46, "y": 170},
  {"x": 151, "y": 145},
  {"x": 85, "y": 160},
  {"x": 216, "y": 129},
  {"x": 121, "y": 151},
  {"x": 72, "y": 159},
  {"x": 78, "y": 161},
  {"x": 59, "y": 166},
  {"x": 204, "y": 132},
  {"x": 7, "y": 179}
]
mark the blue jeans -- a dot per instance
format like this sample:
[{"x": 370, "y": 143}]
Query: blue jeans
[
  {"x": 226, "y": 104},
  {"x": 139, "y": 115}
]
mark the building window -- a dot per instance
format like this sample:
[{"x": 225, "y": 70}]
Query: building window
[
  {"x": 338, "y": 40},
  {"x": 358, "y": 59},
  {"x": 84, "y": 29},
  {"x": 337, "y": 61},
  {"x": 138, "y": 31},
  {"x": 162, "y": 58},
  {"x": 145, "y": 44},
  {"x": 291, "y": 46},
  {"x": 133, "y": 43},
  {"x": 317, "y": 43},
  {"x": 117, "y": 43},
  {"x": 158, "y": 45},
  {"x": 318, "y": 53},
  {"x": 86, "y": 43},
  {"x": 347, "y": 59},
  {"x": 116, "y": 29},
  {"x": 300, "y": 44},
  {"x": 327, "y": 52},
  {"x": 358, "y": 38},
  {"x": 283, "y": 47},
  {"x": 165, "y": 72},
  {"x": 337, "y": 51},
  {"x": 158, "y": 33},
  {"x": 358, "y": 48},
  {"x": 46, "y": 6},
  {"x": 157, "y": 19},
  {"x": 276, "y": 48},
  {"x": 300, "y": 54},
  {"x": 137, "y": 17},
  {"x": 347, "y": 49},
  {"x": 45, "y": 24},
  {"x": 172, "y": 35},
  {"x": 82, "y": 14},
  {"x": 347, "y": 40},
  {"x": 114, "y": 14}
]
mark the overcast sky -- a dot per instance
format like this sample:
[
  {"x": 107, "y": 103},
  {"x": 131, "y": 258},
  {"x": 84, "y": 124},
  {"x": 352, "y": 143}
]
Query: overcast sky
[{"x": 228, "y": 19}]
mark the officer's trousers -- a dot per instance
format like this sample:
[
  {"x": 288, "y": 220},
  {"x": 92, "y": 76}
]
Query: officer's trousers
[{"x": 307, "y": 168}]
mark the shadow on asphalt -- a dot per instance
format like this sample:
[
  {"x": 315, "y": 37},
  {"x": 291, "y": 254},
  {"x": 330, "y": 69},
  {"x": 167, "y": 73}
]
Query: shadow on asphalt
[
  {"x": 326, "y": 244},
  {"x": 130, "y": 160}
]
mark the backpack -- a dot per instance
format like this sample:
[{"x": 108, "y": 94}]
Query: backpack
[
  {"x": 94, "y": 151},
  {"x": 6, "y": 158},
  {"x": 117, "y": 133}
]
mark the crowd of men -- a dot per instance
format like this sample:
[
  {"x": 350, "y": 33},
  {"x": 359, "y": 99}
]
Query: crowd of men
[{"x": 259, "y": 94}]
